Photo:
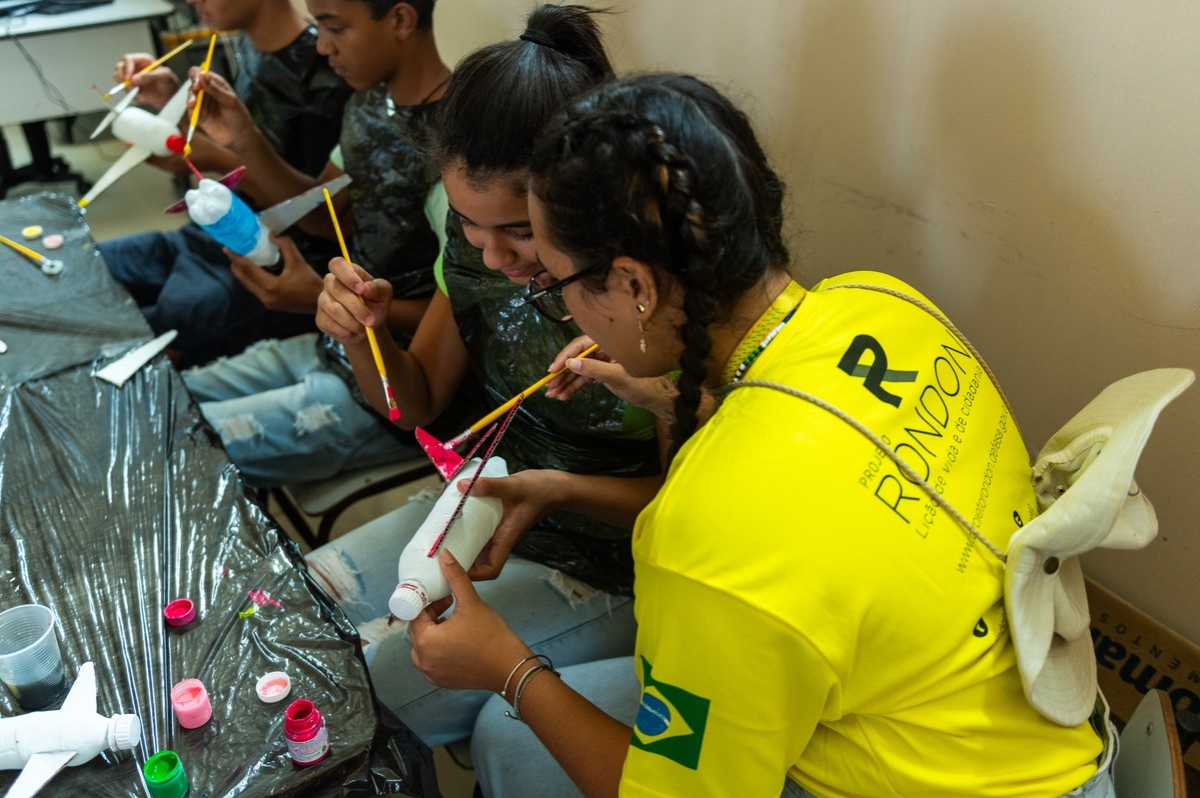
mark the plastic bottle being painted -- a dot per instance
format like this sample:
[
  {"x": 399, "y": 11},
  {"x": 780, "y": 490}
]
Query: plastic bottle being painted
[
  {"x": 229, "y": 219},
  {"x": 148, "y": 131},
  {"x": 421, "y": 579}
]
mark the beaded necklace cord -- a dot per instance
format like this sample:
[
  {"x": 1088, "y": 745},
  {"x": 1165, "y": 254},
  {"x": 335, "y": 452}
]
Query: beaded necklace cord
[{"x": 791, "y": 296}]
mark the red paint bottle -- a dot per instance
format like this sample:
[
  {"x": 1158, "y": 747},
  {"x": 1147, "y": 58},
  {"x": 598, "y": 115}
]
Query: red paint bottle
[{"x": 305, "y": 732}]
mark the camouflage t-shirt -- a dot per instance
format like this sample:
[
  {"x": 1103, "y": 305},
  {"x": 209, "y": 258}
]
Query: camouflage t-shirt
[
  {"x": 295, "y": 99},
  {"x": 382, "y": 151},
  {"x": 297, "y": 102},
  {"x": 510, "y": 345}
]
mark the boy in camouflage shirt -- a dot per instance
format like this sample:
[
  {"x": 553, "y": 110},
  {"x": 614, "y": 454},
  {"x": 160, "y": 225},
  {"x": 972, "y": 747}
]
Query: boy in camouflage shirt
[
  {"x": 289, "y": 409},
  {"x": 181, "y": 279}
]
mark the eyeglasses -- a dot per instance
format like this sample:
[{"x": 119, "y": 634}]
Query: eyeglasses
[{"x": 545, "y": 294}]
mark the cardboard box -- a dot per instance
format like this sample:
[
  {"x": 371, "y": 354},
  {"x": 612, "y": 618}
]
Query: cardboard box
[{"x": 1135, "y": 653}]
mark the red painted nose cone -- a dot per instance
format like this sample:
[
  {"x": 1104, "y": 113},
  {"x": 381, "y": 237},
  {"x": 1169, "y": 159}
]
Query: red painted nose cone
[{"x": 175, "y": 143}]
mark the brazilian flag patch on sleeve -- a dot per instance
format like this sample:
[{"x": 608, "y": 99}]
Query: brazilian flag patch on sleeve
[{"x": 670, "y": 721}]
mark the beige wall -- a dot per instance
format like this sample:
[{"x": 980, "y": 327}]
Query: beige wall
[{"x": 1032, "y": 166}]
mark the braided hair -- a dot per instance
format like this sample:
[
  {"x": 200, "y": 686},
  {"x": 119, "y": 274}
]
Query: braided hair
[
  {"x": 501, "y": 95},
  {"x": 664, "y": 169}
]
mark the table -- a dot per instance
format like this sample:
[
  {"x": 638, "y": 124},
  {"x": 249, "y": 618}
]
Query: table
[
  {"x": 72, "y": 50},
  {"x": 113, "y": 502},
  {"x": 49, "y": 62}
]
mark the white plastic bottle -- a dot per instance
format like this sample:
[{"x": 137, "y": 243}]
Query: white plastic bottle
[
  {"x": 421, "y": 579},
  {"x": 229, "y": 219},
  {"x": 41, "y": 732},
  {"x": 76, "y": 727},
  {"x": 147, "y": 130}
]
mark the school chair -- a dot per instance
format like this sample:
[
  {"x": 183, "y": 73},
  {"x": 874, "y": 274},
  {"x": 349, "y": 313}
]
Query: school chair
[
  {"x": 329, "y": 498},
  {"x": 1150, "y": 759}
]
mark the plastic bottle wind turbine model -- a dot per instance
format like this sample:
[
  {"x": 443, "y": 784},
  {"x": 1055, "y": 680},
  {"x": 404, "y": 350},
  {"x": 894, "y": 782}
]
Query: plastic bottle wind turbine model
[
  {"x": 42, "y": 743},
  {"x": 146, "y": 134}
]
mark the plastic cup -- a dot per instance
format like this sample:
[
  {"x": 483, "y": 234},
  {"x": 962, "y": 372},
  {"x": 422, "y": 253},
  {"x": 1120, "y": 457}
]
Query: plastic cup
[{"x": 30, "y": 663}]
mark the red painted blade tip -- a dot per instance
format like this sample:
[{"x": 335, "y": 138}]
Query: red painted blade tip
[{"x": 446, "y": 461}]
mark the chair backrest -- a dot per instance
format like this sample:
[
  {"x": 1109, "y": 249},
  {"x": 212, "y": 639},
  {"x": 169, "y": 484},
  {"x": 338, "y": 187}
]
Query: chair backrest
[
  {"x": 1150, "y": 760},
  {"x": 329, "y": 498}
]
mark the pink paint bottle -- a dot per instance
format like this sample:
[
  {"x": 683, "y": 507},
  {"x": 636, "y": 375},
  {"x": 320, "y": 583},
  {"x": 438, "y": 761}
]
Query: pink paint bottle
[
  {"x": 189, "y": 699},
  {"x": 305, "y": 732}
]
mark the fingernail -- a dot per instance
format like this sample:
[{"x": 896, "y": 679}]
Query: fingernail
[{"x": 573, "y": 363}]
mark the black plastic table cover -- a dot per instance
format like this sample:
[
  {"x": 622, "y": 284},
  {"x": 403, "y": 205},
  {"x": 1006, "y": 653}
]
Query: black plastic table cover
[{"x": 115, "y": 501}]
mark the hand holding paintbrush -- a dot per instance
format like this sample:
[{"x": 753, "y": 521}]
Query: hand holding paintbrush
[
  {"x": 187, "y": 148},
  {"x": 227, "y": 122},
  {"x": 127, "y": 71},
  {"x": 393, "y": 409}
]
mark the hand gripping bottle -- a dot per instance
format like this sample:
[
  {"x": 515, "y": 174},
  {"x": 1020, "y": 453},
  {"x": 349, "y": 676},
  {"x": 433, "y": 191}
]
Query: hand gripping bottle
[
  {"x": 421, "y": 579},
  {"x": 229, "y": 219}
]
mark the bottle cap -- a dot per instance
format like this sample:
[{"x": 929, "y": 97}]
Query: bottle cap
[
  {"x": 190, "y": 701},
  {"x": 124, "y": 732},
  {"x": 180, "y": 612},
  {"x": 164, "y": 776},
  {"x": 273, "y": 687},
  {"x": 408, "y": 600}
]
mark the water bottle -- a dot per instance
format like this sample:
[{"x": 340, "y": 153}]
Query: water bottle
[
  {"x": 227, "y": 218},
  {"x": 421, "y": 579}
]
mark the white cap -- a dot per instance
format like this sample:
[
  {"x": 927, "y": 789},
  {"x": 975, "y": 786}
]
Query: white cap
[
  {"x": 408, "y": 600},
  {"x": 273, "y": 686},
  {"x": 124, "y": 732},
  {"x": 1083, "y": 478}
]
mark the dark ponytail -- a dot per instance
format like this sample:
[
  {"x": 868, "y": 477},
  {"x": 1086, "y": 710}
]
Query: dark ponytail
[
  {"x": 501, "y": 95},
  {"x": 665, "y": 170}
]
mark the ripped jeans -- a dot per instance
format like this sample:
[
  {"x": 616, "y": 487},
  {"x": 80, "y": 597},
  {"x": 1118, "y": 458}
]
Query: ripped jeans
[
  {"x": 285, "y": 416},
  {"x": 555, "y": 614}
]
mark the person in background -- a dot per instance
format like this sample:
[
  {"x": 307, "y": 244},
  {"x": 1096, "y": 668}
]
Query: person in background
[
  {"x": 181, "y": 279},
  {"x": 289, "y": 409},
  {"x": 579, "y": 470},
  {"x": 812, "y": 619}
]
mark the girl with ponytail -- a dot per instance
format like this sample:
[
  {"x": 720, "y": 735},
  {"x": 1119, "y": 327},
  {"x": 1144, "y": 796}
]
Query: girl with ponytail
[{"x": 580, "y": 469}]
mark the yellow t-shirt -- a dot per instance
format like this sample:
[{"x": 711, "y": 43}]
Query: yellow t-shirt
[{"x": 805, "y": 609}]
